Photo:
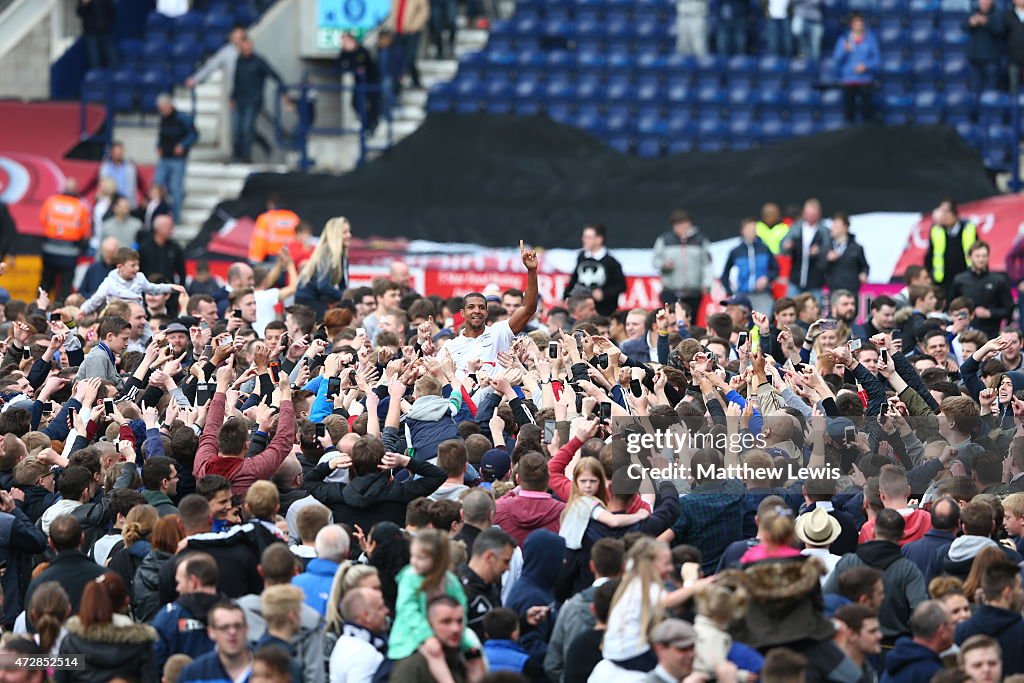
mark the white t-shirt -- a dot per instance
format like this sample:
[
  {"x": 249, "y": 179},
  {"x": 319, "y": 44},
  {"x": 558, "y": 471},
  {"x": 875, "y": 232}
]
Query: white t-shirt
[
  {"x": 576, "y": 519},
  {"x": 608, "y": 672},
  {"x": 623, "y": 639},
  {"x": 495, "y": 339}
]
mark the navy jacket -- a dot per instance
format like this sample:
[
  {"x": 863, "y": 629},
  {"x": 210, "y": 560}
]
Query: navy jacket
[
  {"x": 909, "y": 662},
  {"x": 181, "y": 627},
  {"x": 543, "y": 555},
  {"x": 929, "y": 552},
  {"x": 205, "y": 669},
  {"x": 752, "y": 261},
  {"x": 1005, "y": 626},
  {"x": 20, "y": 539}
]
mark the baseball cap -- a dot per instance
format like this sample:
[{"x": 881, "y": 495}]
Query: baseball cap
[
  {"x": 495, "y": 464},
  {"x": 738, "y": 300},
  {"x": 674, "y": 632},
  {"x": 836, "y": 428}
]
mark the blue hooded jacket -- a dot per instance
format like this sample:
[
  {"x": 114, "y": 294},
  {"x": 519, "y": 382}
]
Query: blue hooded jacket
[
  {"x": 910, "y": 662},
  {"x": 543, "y": 556},
  {"x": 865, "y": 52},
  {"x": 1004, "y": 625},
  {"x": 316, "y": 582}
]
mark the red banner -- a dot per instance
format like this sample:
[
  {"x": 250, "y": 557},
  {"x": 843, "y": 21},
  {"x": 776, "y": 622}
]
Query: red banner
[{"x": 998, "y": 220}]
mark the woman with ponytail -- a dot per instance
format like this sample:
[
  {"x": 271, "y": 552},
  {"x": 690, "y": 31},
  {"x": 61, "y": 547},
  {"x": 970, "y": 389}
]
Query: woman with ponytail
[
  {"x": 138, "y": 525},
  {"x": 324, "y": 276},
  {"x": 112, "y": 645},
  {"x": 48, "y": 610},
  {"x": 348, "y": 577}
]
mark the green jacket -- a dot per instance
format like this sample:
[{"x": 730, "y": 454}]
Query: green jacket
[{"x": 411, "y": 629}]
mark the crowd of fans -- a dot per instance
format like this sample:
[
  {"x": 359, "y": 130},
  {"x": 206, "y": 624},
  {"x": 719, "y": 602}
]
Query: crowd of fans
[{"x": 286, "y": 478}]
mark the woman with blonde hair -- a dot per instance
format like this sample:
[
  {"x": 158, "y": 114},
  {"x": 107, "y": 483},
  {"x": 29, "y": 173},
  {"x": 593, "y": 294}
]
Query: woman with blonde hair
[
  {"x": 325, "y": 274},
  {"x": 138, "y": 525},
  {"x": 640, "y": 603},
  {"x": 348, "y": 577}
]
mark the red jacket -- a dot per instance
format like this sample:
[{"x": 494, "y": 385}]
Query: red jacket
[
  {"x": 243, "y": 472},
  {"x": 519, "y": 513},
  {"x": 561, "y": 485},
  {"x": 918, "y": 523}
]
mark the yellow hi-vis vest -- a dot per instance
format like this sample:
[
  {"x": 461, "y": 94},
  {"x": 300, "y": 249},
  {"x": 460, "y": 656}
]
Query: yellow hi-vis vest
[
  {"x": 772, "y": 235},
  {"x": 938, "y": 237}
]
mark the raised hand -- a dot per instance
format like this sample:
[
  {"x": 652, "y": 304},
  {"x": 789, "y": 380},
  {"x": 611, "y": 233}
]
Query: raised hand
[{"x": 529, "y": 256}]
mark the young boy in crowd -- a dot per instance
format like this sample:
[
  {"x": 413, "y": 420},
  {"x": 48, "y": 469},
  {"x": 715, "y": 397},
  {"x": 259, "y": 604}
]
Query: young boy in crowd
[
  {"x": 1013, "y": 519},
  {"x": 124, "y": 282},
  {"x": 501, "y": 625}
]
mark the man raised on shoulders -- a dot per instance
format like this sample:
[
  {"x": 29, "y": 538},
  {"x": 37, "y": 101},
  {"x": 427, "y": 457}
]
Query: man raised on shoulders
[{"x": 478, "y": 341}]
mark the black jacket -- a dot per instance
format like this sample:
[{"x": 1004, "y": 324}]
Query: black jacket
[
  {"x": 604, "y": 273},
  {"x": 37, "y": 500},
  {"x": 987, "y": 289},
  {"x": 372, "y": 498},
  {"x": 844, "y": 273},
  {"x": 251, "y": 75},
  {"x": 1014, "y": 38},
  {"x": 1005, "y": 626},
  {"x": 21, "y": 540},
  {"x": 481, "y": 597},
  {"x": 73, "y": 570},
  {"x": 8, "y": 231},
  {"x": 361, "y": 63},
  {"x": 97, "y": 16},
  {"x": 115, "y": 650},
  {"x": 167, "y": 260},
  {"x": 146, "y": 585}
]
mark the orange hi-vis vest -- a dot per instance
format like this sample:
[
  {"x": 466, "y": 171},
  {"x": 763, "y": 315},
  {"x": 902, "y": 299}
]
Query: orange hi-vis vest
[
  {"x": 274, "y": 229},
  {"x": 65, "y": 218}
]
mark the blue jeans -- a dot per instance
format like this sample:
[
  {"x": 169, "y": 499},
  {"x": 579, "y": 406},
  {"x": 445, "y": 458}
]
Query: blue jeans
[
  {"x": 809, "y": 39},
  {"x": 731, "y": 37},
  {"x": 984, "y": 76},
  {"x": 779, "y": 39},
  {"x": 243, "y": 126},
  {"x": 408, "y": 45},
  {"x": 171, "y": 174},
  {"x": 99, "y": 50},
  {"x": 442, "y": 21}
]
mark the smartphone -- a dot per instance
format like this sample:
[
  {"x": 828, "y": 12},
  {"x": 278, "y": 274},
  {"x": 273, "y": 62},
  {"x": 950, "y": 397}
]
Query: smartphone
[
  {"x": 71, "y": 415},
  {"x": 333, "y": 386},
  {"x": 237, "y": 313},
  {"x": 741, "y": 339},
  {"x": 850, "y": 435},
  {"x": 799, "y": 367},
  {"x": 202, "y": 393},
  {"x": 352, "y": 377},
  {"x": 25, "y": 353},
  {"x": 108, "y": 406},
  {"x": 275, "y": 370},
  {"x": 578, "y": 336},
  {"x": 755, "y": 337},
  {"x": 883, "y": 356},
  {"x": 829, "y": 324},
  {"x": 854, "y": 344},
  {"x": 203, "y": 325},
  {"x": 604, "y": 411},
  {"x": 634, "y": 386},
  {"x": 208, "y": 351},
  {"x": 54, "y": 317},
  {"x": 360, "y": 332},
  {"x": 881, "y": 411},
  {"x": 321, "y": 429},
  {"x": 54, "y": 407},
  {"x": 553, "y": 349},
  {"x": 549, "y": 431},
  {"x": 602, "y": 361}
]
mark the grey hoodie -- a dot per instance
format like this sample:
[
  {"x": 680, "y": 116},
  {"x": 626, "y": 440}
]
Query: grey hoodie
[{"x": 308, "y": 642}]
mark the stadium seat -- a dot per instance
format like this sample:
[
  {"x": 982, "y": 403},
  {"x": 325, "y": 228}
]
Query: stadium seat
[
  {"x": 680, "y": 93},
  {"x": 804, "y": 98},
  {"x": 649, "y": 147},
  {"x": 129, "y": 50},
  {"x": 741, "y": 65},
  {"x": 123, "y": 84},
  {"x": 710, "y": 97},
  {"x": 620, "y": 143},
  {"x": 680, "y": 125},
  {"x": 154, "y": 52},
  {"x": 96, "y": 85},
  {"x": 680, "y": 145},
  {"x": 928, "y": 108}
]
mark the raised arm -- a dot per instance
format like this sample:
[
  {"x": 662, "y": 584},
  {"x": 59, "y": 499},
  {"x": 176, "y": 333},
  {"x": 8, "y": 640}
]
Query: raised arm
[{"x": 526, "y": 311}]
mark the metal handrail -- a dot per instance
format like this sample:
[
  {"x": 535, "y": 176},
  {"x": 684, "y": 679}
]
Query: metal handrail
[{"x": 300, "y": 95}]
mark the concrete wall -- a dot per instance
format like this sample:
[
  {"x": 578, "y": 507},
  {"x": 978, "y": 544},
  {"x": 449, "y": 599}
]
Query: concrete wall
[{"x": 26, "y": 72}]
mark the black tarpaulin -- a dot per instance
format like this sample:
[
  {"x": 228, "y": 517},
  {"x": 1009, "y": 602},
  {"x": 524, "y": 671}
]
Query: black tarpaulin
[{"x": 494, "y": 179}]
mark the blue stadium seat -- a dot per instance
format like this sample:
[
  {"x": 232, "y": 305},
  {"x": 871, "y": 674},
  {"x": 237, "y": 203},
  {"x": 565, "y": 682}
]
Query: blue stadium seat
[
  {"x": 771, "y": 99},
  {"x": 681, "y": 125},
  {"x": 558, "y": 89},
  {"x": 742, "y": 65},
  {"x": 954, "y": 70},
  {"x": 618, "y": 122},
  {"x": 619, "y": 143},
  {"x": 804, "y": 99},
  {"x": 711, "y": 128},
  {"x": 743, "y": 133},
  {"x": 895, "y": 68},
  {"x": 437, "y": 104},
  {"x": 217, "y": 22},
  {"x": 928, "y": 108},
  {"x": 590, "y": 29},
  {"x": 590, "y": 60},
  {"x": 997, "y": 159},
  {"x": 831, "y": 100},
  {"x": 891, "y": 37},
  {"x": 186, "y": 53},
  {"x": 589, "y": 90},
  {"x": 123, "y": 83},
  {"x": 681, "y": 64},
  {"x": 158, "y": 23},
  {"x": 96, "y": 85},
  {"x": 710, "y": 64},
  {"x": 152, "y": 83},
  {"x": 924, "y": 70},
  {"x": 650, "y": 31},
  {"x": 775, "y": 129},
  {"x": 154, "y": 52},
  {"x": 801, "y": 128},
  {"x": 129, "y": 50},
  {"x": 993, "y": 106},
  {"x": 619, "y": 60},
  {"x": 832, "y": 121},
  {"x": 561, "y": 59},
  {"x": 651, "y": 62},
  {"x": 924, "y": 37},
  {"x": 803, "y": 72},
  {"x": 649, "y": 147},
  {"x": 530, "y": 61},
  {"x": 680, "y": 145},
  {"x": 773, "y": 65},
  {"x": 651, "y": 125},
  {"x": 648, "y": 89},
  {"x": 560, "y": 114},
  {"x": 618, "y": 91},
  {"x": 892, "y": 8},
  {"x": 680, "y": 92},
  {"x": 710, "y": 96}
]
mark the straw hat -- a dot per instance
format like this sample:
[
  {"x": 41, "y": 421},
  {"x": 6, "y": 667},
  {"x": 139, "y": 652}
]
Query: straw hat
[{"x": 817, "y": 528}]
